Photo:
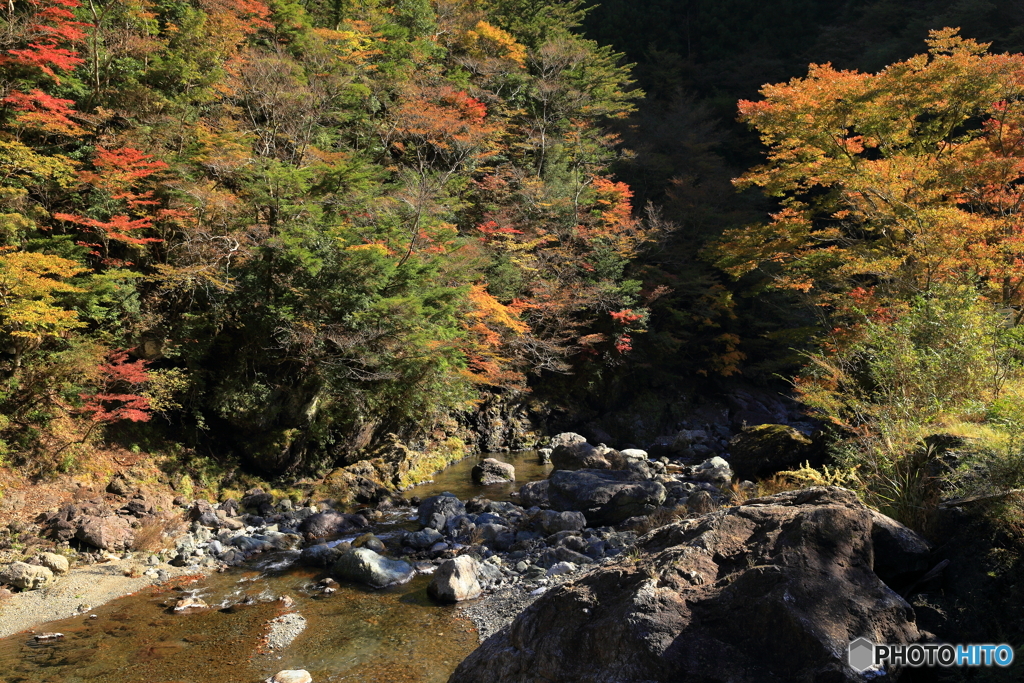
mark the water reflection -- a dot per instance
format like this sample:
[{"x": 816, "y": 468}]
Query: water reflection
[{"x": 396, "y": 635}]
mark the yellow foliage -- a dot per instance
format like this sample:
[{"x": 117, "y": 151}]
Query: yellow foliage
[
  {"x": 29, "y": 283},
  {"x": 484, "y": 40}
]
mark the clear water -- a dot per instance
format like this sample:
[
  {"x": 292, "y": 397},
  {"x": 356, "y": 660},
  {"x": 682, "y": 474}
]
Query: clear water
[
  {"x": 396, "y": 635},
  {"x": 457, "y": 479}
]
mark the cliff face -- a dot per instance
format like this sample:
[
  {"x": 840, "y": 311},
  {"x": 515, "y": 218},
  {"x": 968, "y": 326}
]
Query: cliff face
[{"x": 772, "y": 590}]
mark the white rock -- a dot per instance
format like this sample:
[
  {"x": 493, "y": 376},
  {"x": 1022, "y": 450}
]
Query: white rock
[
  {"x": 562, "y": 568},
  {"x": 291, "y": 676}
]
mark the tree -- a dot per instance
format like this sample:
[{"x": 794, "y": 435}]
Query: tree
[
  {"x": 892, "y": 183},
  {"x": 31, "y": 285}
]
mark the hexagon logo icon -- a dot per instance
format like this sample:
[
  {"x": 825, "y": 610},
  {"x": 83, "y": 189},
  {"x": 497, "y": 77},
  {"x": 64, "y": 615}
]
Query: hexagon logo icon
[{"x": 861, "y": 654}]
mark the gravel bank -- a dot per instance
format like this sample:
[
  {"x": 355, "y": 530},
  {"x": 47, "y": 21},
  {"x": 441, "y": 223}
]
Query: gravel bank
[
  {"x": 90, "y": 586},
  {"x": 284, "y": 629},
  {"x": 498, "y": 610}
]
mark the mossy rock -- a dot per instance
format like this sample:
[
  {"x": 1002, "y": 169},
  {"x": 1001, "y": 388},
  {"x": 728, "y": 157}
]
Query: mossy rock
[
  {"x": 272, "y": 452},
  {"x": 758, "y": 452}
]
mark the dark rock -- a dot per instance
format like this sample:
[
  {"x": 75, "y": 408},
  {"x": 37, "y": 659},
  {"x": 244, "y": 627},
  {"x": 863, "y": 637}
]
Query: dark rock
[
  {"x": 535, "y": 493},
  {"x": 139, "y": 507},
  {"x": 900, "y": 553},
  {"x": 578, "y": 456},
  {"x": 701, "y": 502},
  {"x": 421, "y": 540},
  {"x": 553, "y": 556},
  {"x": 256, "y": 499},
  {"x": 605, "y": 497},
  {"x": 331, "y": 523},
  {"x": 760, "y": 451},
  {"x": 504, "y": 541},
  {"x": 761, "y": 593},
  {"x": 202, "y": 512},
  {"x": 230, "y": 507},
  {"x": 435, "y": 511},
  {"x": 319, "y": 555},
  {"x": 369, "y": 541},
  {"x": 492, "y": 471},
  {"x": 553, "y": 521}
]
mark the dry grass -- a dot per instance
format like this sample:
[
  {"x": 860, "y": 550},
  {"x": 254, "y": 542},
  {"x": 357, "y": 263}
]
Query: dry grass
[{"x": 155, "y": 532}]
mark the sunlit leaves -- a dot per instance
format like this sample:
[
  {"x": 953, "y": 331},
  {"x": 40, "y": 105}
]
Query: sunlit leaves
[
  {"x": 899, "y": 180},
  {"x": 31, "y": 286}
]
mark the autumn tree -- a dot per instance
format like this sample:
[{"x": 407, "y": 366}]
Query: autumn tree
[{"x": 891, "y": 183}]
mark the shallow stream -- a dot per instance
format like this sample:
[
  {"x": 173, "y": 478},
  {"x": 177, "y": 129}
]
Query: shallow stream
[{"x": 395, "y": 635}]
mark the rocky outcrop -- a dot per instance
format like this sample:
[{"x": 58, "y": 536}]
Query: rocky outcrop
[
  {"x": 605, "y": 497},
  {"x": 456, "y": 580},
  {"x": 491, "y": 471},
  {"x": 770, "y": 591},
  {"x": 501, "y": 422},
  {"x": 760, "y": 451},
  {"x": 391, "y": 467},
  {"x": 365, "y": 566}
]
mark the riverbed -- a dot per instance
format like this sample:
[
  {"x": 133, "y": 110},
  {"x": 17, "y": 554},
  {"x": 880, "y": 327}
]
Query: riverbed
[{"x": 355, "y": 634}]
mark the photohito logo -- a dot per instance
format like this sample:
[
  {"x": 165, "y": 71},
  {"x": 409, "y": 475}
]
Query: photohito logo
[{"x": 864, "y": 654}]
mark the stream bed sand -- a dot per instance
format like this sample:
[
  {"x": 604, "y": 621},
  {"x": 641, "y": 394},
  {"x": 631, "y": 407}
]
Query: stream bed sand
[{"x": 91, "y": 585}]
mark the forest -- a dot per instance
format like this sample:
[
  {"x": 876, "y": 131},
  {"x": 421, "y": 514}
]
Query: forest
[{"x": 283, "y": 234}]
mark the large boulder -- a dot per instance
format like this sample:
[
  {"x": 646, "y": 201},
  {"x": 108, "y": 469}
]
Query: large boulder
[
  {"x": 365, "y": 566},
  {"x": 434, "y": 512},
  {"x": 534, "y": 493},
  {"x": 25, "y": 576},
  {"x": 760, "y": 451},
  {"x": 105, "y": 533},
  {"x": 605, "y": 497},
  {"x": 552, "y": 521},
  {"x": 58, "y": 564},
  {"x": 491, "y": 471},
  {"x": 900, "y": 553},
  {"x": 331, "y": 523},
  {"x": 765, "y": 592},
  {"x": 581, "y": 455},
  {"x": 565, "y": 439},
  {"x": 421, "y": 540},
  {"x": 320, "y": 555},
  {"x": 456, "y": 580}
]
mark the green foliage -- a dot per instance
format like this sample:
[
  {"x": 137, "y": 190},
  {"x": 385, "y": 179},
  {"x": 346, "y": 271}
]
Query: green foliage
[
  {"x": 947, "y": 363},
  {"x": 294, "y": 212}
]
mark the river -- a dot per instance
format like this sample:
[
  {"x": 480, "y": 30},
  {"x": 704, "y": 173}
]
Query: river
[{"x": 395, "y": 635}]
